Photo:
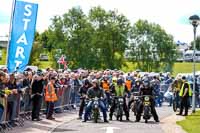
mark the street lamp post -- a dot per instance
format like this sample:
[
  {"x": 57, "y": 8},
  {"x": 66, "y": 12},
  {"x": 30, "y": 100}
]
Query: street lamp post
[{"x": 195, "y": 22}]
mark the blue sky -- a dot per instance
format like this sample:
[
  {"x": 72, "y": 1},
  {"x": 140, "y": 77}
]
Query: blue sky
[
  {"x": 172, "y": 15},
  {"x": 4, "y": 19}
]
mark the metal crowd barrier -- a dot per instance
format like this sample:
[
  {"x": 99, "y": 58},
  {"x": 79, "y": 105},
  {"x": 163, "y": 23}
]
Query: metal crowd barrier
[{"x": 68, "y": 99}]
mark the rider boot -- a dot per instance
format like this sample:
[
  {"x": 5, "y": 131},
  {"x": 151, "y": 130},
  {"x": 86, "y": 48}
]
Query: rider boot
[
  {"x": 110, "y": 117},
  {"x": 138, "y": 116},
  {"x": 154, "y": 113}
]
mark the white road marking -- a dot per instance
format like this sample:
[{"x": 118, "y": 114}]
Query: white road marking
[{"x": 110, "y": 129}]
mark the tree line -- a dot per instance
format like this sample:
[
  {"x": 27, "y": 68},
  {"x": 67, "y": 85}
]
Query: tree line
[{"x": 98, "y": 40}]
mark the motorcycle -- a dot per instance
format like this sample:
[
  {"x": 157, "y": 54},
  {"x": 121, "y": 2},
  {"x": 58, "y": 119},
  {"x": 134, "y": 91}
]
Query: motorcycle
[
  {"x": 146, "y": 108},
  {"x": 136, "y": 102},
  {"x": 95, "y": 109},
  {"x": 119, "y": 108}
]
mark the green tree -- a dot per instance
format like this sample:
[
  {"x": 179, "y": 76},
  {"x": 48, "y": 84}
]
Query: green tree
[
  {"x": 36, "y": 49},
  {"x": 95, "y": 41},
  {"x": 197, "y": 43},
  {"x": 78, "y": 32},
  {"x": 152, "y": 48},
  {"x": 110, "y": 37}
]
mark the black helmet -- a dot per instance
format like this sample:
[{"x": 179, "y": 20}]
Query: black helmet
[
  {"x": 146, "y": 82},
  {"x": 39, "y": 72},
  {"x": 87, "y": 82},
  {"x": 119, "y": 82}
]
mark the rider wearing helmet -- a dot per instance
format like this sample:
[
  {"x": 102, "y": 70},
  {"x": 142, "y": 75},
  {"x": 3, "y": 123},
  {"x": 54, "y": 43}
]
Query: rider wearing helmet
[
  {"x": 146, "y": 89},
  {"x": 135, "y": 89},
  {"x": 95, "y": 91},
  {"x": 120, "y": 91}
]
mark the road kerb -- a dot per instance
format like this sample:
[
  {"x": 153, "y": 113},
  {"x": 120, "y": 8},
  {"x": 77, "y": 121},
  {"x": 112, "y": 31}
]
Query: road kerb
[{"x": 169, "y": 124}]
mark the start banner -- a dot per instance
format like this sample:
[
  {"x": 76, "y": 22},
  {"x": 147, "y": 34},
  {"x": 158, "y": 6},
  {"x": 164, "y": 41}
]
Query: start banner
[{"x": 22, "y": 35}]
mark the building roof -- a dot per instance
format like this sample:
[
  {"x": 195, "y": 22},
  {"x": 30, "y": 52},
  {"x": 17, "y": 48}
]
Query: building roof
[{"x": 3, "y": 38}]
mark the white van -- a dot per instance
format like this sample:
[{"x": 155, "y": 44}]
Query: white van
[{"x": 188, "y": 56}]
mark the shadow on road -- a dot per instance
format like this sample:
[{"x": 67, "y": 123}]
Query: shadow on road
[{"x": 63, "y": 130}]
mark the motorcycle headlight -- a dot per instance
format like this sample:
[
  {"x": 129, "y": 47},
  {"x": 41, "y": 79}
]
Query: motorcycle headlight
[
  {"x": 146, "y": 98},
  {"x": 95, "y": 102},
  {"x": 121, "y": 100},
  {"x": 95, "y": 98}
]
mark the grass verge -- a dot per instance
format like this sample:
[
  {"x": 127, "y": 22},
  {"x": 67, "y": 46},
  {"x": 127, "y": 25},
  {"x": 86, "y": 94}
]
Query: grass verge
[{"x": 192, "y": 123}]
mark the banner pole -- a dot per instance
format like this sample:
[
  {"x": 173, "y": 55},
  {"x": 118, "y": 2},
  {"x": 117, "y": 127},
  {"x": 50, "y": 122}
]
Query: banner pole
[{"x": 10, "y": 30}]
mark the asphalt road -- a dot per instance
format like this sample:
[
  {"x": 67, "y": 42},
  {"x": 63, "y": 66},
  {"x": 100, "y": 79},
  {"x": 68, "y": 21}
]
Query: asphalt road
[{"x": 77, "y": 126}]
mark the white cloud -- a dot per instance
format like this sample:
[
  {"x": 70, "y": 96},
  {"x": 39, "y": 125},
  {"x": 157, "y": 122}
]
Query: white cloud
[{"x": 167, "y": 13}]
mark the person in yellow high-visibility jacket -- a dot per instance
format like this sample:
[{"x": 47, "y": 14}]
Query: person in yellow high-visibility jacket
[{"x": 185, "y": 93}]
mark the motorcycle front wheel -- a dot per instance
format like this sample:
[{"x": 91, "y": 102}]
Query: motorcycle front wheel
[{"x": 96, "y": 115}]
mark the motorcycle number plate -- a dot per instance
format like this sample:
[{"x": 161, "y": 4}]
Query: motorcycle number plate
[{"x": 146, "y": 103}]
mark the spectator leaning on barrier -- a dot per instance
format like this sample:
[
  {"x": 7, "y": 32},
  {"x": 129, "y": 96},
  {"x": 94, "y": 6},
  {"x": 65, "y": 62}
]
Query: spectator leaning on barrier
[
  {"x": 37, "y": 91},
  {"x": 27, "y": 85},
  {"x": 2, "y": 93},
  {"x": 12, "y": 101},
  {"x": 59, "y": 87},
  {"x": 75, "y": 84}
]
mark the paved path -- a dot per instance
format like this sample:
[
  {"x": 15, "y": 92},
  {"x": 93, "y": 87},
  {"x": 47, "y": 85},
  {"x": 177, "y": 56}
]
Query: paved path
[
  {"x": 76, "y": 126},
  {"x": 169, "y": 124},
  {"x": 67, "y": 123},
  {"x": 45, "y": 126}
]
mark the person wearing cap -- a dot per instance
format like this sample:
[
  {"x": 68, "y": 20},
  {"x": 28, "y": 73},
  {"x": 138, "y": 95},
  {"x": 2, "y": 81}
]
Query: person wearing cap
[
  {"x": 50, "y": 97},
  {"x": 95, "y": 91},
  {"x": 37, "y": 86},
  {"x": 75, "y": 85},
  {"x": 27, "y": 84},
  {"x": 59, "y": 86},
  {"x": 83, "y": 93},
  {"x": 185, "y": 93}
]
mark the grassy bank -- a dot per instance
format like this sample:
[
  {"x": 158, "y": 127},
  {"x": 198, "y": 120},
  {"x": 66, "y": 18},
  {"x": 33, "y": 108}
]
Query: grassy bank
[
  {"x": 184, "y": 67},
  {"x": 192, "y": 123}
]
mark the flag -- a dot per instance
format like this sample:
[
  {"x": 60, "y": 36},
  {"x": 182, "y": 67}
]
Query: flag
[
  {"x": 62, "y": 61},
  {"x": 23, "y": 24}
]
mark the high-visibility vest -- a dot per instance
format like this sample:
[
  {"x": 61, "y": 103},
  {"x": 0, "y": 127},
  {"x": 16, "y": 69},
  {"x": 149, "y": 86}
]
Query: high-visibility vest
[
  {"x": 182, "y": 88},
  {"x": 128, "y": 84},
  {"x": 50, "y": 95},
  {"x": 105, "y": 86},
  {"x": 119, "y": 90}
]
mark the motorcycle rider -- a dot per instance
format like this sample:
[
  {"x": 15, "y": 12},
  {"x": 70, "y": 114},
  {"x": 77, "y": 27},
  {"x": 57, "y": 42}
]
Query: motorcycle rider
[
  {"x": 119, "y": 91},
  {"x": 146, "y": 89},
  {"x": 95, "y": 91},
  {"x": 135, "y": 89},
  {"x": 83, "y": 93}
]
